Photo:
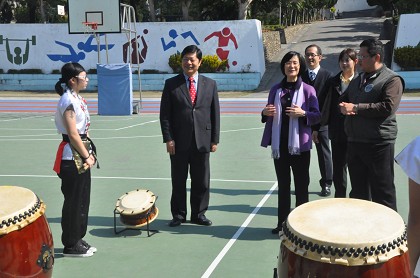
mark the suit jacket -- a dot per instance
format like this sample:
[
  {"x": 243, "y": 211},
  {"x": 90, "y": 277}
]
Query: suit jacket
[
  {"x": 319, "y": 84},
  {"x": 179, "y": 118},
  {"x": 331, "y": 114}
]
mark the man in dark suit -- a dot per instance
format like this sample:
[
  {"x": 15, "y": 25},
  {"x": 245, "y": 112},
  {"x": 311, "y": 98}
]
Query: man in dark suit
[
  {"x": 317, "y": 77},
  {"x": 190, "y": 123}
]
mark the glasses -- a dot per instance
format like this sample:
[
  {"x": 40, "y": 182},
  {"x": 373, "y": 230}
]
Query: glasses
[
  {"x": 192, "y": 60},
  {"x": 311, "y": 55},
  {"x": 363, "y": 57},
  {"x": 82, "y": 77}
]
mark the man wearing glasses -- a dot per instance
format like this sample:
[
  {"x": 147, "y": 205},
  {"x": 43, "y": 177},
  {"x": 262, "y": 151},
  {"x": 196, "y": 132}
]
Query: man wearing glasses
[
  {"x": 317, "y": 77},
  {"x": 370, "y": 103}
]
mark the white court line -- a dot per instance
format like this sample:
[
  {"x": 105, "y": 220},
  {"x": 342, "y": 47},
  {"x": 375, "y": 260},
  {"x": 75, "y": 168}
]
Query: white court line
[
  {"x": 129, "y": 178},
  {"x": 130, "y": 126},
  {"x": 222, "y": 253},
  {"x": 241, "y": 129},
  {"x": 16, "y": 138}
]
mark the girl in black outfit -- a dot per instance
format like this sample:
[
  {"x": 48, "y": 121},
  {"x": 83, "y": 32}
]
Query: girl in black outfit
[{"x": 332, "y": 117}]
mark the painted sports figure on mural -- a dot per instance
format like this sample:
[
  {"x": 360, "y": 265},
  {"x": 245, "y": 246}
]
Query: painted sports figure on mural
[{"x": 225, "y": 36}]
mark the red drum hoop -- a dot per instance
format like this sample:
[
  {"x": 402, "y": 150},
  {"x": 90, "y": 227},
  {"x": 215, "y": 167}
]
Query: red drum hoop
[
  {"x": 137, "y": 208},
  {"x": 344, "y": 238},
  {"x": 22, "y": 220}
]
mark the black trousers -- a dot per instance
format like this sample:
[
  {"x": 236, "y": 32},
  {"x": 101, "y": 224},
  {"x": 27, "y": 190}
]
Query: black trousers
[
  {"x": 198, "y": 164},
  {"x": 339, "y": 158},
  {"x": 299, "y": 164},
  {"x": 76, "y": 190},
  {"x": 324, "y": 158},
  {"x": 371, "y": 169}
]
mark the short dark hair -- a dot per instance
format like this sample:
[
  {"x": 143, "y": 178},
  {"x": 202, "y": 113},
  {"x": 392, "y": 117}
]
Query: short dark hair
[
  {"x": 68, "y": 71},
  {"x": 288, "y": 56},
  {"x": 318, "y": 49},
  {"x": 374, "y": 47},
  {"x": 349, "y": 52},
  {"x": 192, "y": 49}
]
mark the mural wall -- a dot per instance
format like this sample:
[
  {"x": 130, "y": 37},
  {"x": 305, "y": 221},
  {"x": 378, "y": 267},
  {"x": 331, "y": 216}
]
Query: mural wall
[{"x": 49, "y": 46}]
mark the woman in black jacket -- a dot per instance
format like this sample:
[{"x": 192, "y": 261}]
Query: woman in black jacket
[{"x": 331, "y": 116}]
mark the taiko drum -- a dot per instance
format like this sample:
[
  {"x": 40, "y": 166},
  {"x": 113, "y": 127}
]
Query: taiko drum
[
  {"x": 26, "y": 242},
  {"x": 346, "y": 238}
]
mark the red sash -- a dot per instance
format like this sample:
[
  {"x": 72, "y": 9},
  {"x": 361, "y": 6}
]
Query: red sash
[{"x": 57, "y": 163}]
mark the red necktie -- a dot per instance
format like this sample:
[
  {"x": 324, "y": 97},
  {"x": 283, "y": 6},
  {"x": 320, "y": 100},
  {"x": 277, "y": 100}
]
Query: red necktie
[{"x": 193, "y": 92}]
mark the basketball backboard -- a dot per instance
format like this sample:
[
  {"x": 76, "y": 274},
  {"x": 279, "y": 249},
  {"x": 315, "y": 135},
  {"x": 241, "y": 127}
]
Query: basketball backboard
[{"x": 105, "y": 12}]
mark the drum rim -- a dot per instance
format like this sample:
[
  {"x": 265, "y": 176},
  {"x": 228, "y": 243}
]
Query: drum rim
[
  {"x": 132, "y": 211},
  {"x": 154, "y": 216},
  {"x": 23, "y": 216},
  {"x": 368, "y": 253}
]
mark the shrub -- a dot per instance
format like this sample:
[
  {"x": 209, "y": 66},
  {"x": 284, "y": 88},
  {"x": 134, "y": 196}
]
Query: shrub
[
  {"x": 175, "y": 62},
  {"x": 25, "y": 71},
  {"x": 209, "y": 63},
  {"x": 408, "y": 57}
]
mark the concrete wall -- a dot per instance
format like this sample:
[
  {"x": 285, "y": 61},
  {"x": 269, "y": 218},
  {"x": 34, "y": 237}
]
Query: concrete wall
[
  {"x": 408, "y": 33},
  {"x": 49, "y": 46},
  {"x": 352, "y": 5},
  {"x": 149, "y": 82}
]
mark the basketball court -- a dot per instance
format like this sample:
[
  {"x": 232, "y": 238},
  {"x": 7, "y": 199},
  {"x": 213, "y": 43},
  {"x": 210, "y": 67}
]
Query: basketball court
[{"x": 132, "y": 156}]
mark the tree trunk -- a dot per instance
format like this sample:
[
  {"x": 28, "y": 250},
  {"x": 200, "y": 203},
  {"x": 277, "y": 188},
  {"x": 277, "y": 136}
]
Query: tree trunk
[
  {"x": 243, "y": 7},
  {"x": 185, "y": 6},
  {"x": 280, "y": 21},
  {"x": 42, "y": 9},
  {"x": 2, "y": 2},
  {"x": 152, "y": 11}
]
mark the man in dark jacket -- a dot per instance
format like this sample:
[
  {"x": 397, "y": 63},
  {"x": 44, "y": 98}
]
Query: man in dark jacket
[
  {"x": 190, "y": 123},
  {"x": 370, "y": 104},
  {"x": 317, "y": 77}
]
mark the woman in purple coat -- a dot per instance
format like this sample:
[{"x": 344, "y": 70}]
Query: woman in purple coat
[{"x": 291, "y": 110}]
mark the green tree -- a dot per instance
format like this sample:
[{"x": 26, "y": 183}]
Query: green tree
[
  {"x": 6, "y": 14},
  {"x": 387, "y": 5}
]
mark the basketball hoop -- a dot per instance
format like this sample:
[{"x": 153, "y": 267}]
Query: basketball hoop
[{"x": 90, "y": 27}]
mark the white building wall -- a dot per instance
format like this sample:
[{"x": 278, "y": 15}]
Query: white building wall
[{"x": 408, "y": 33}]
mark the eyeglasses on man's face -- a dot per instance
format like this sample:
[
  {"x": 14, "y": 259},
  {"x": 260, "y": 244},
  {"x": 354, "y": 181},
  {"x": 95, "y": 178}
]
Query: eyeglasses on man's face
[
  {"x": 364, "y": 57},
  {"x": 311, "y": 55}
]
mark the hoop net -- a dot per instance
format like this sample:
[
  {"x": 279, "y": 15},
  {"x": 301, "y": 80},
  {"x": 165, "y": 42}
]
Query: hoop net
[{"x": 90, "y": 27}]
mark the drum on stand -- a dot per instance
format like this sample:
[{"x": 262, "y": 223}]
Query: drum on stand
[
  {"x": 26, "y": 242},
  {"x": 344, "y": 238},
  {"x": 137, "y": 208}
]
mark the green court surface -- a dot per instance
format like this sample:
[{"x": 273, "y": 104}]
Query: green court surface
[{"x": 132, "y": 156}]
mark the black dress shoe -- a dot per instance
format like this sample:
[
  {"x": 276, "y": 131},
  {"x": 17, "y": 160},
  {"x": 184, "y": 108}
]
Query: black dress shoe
[
  {"x": 204, "y": 221},
  {"x": 325, "y": 192},
  {"x": 176, "y": 222}
]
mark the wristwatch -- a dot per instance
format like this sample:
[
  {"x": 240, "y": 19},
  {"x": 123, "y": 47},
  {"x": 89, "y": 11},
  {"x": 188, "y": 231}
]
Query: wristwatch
[{"x": 356, "y": 108}]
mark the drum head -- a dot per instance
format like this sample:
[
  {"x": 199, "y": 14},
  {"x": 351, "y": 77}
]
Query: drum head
[
  {"x": 345, "y": 231},
  {"x": 135, "y": 202},
  {"x": 19, "y": 207}
]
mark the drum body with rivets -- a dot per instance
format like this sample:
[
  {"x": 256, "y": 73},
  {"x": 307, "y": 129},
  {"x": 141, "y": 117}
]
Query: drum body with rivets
[
  {"x": 344, "y": 238},
  {"x": 26, "y": 243}
]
